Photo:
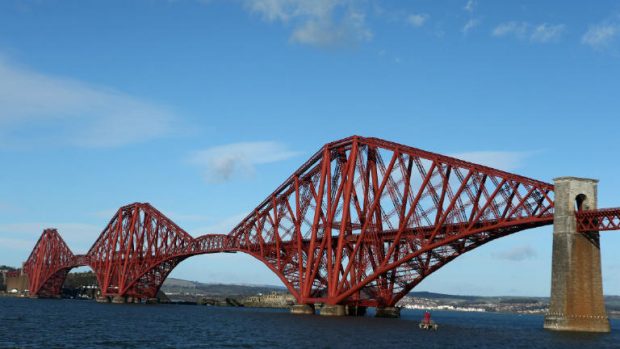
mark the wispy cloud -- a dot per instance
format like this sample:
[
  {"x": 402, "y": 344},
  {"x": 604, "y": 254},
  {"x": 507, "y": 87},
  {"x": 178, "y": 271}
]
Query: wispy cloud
[
  {"x": 602, "y": 35},
  {"x": 503, "y": 160},
  {"x": 222, "y": 163},
  {"x": 43, "y": 109},
  {"x": 470, "y": 24},
  {"x": 350, "y": 30},
  {"x": 418, "y": 19},
  {"x": 546, "y": 32},
  {"x": 541, "y": 33},
  {"x": 517, "y": 29},
  {"x": 470, "y": 6},
  {"x": 321, "y": 23},
  {"x": 517, "y": 253}
]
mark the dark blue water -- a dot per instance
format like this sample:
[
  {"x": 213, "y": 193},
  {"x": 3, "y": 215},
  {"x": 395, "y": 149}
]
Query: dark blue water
[{"x": 38, "y": 323}]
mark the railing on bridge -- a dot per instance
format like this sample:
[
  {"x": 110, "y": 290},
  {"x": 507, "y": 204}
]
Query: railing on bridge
[{"x": 598, "y": 220}]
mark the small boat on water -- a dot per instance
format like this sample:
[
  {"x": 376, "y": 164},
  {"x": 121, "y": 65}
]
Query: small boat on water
[{"x": 427, "y": 323}]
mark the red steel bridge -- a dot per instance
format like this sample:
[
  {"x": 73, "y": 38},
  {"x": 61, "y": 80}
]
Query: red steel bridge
[{"x": 361, "y": 223}]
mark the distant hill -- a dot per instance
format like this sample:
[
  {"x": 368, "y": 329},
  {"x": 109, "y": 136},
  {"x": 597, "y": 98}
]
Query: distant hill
[
  {"x": 611, "y": 302},
  {"x": 469, "y": 298},
  {"x": 172, "y": 282},
  {"x": 178, "y": 286},
  {"x": 432, "y": 295}
]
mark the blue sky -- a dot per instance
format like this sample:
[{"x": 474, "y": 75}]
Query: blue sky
[{"x": 203, "y": 107}]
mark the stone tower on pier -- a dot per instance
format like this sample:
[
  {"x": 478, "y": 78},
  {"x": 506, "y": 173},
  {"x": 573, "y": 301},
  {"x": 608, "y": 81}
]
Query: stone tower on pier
[{"x": 577, "y": 302}]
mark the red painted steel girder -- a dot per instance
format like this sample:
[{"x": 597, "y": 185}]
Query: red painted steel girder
[
  {"x": 365, "y": 220},
  {"x": 361, "y": 222},
  {"x": 598, "y": 220},
  {"x": 48, "y": 264}
]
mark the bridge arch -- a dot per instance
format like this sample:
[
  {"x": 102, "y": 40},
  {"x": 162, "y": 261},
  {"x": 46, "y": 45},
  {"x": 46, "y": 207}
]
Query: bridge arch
[{"x": 146, "y": 286}]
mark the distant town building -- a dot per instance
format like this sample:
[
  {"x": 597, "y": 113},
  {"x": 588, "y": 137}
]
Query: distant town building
[{"x": 15, "y": 282}]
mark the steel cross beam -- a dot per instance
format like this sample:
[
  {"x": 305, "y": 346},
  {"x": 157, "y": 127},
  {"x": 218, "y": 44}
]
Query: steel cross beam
[{"x": 598, "y": 220}]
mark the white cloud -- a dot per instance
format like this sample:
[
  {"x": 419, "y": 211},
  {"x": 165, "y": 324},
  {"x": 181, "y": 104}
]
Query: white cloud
[
  {"x": 546, "y": 33},
  {"x": 222, "y": 163},
  {"x": 541, "y": 33},
  {"x": 502, "y": 160},
  {"x": 517, "y": 253},
  {"x": 324, "y": 33},
  {"x": 417, "y": 19},
  {"x": 285, "y": 10},
  {"x": 321, "y": 23},
  {"x": 271, "y": 10},
  {"x": 516, "y": 29},
  {"x": 44, "y": 109},
  {"x": 471, "y": 24},
  {"x": 601, "y": 36},
  {"x": 470, "y": 6}
]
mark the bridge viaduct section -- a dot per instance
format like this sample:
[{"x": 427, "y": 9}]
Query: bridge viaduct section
[{"x": 358, "y": 225}]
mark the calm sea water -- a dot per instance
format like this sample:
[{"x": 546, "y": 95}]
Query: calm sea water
[{"x": 38, "y": 323}]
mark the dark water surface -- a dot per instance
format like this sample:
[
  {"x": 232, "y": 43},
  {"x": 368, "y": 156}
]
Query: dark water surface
[{"x": 38, "y": 323}]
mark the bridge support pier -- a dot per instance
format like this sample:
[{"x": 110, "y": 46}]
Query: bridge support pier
[
  {"x": 388, "y": 312},
  {"x": 103, "y": 299},
  {"x": 577, "y": 302},
  {"x": 307, "y": 309},
  {"x": 119, "y": 299},
  {"x": 356, "y": 310},
  {"x": 134, "y": 300},
  {"x": 333, "y": 310}
]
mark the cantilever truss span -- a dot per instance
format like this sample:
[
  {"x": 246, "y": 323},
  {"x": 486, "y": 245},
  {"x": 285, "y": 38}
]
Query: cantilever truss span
[{"x": 363, "y": 221}]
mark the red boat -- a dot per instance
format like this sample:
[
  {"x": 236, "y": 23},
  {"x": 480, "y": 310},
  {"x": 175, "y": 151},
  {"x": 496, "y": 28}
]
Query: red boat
[{"x": 427, "y": 323}]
